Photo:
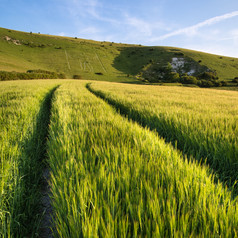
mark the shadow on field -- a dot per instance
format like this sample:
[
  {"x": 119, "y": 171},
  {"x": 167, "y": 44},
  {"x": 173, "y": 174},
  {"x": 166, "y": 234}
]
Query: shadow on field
[
  {"x": 27, "y": 212},
  {"x": 224, "y": 171}
]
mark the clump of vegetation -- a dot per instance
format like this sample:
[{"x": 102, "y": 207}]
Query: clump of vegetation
[
  {"x": 77, "y": 76},
  {"x": 30, "y": 74},
  {"x": 33, "y": 44},
  {"x": 188, "y": 79},
  {"x": 209, "y": 75},
  {"x": 156, "y": 73},
  {"x": 179, "y": 54},
  {"x": 235, "y": 80}
]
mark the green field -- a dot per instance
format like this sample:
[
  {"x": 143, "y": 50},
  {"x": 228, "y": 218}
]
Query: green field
[
  {"x": 104, "y": 61},
  {"x": 24, "y": 117},
  {"x": 201, "y": 123},
  {"x": 157, "y": 162}
]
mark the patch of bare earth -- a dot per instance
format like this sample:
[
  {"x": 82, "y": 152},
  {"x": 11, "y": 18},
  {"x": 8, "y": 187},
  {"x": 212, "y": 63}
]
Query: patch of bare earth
[{"x": 15, "y": 42}]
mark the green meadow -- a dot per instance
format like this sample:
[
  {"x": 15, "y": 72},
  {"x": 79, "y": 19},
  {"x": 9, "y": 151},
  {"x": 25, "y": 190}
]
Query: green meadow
[{"x": 125, "y": 159}]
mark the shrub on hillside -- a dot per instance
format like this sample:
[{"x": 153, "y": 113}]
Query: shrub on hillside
[
  {"x": 187, "y": 79},
  {"x": 179, "y": 54},
  {"x": 171, "y": 77},
  {"x": 205, "y": 84},
  {"x": 61, "y": 76},
  {"x": 224, "y": 83},
  {"x": 77, "y": 76},
  {"x": 235, "y": 80},
  {"x": 208, "y": 76}
]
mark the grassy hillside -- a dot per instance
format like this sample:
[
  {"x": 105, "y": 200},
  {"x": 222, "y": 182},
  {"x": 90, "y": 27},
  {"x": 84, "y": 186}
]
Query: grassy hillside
[{"x": 20, "y": 51}]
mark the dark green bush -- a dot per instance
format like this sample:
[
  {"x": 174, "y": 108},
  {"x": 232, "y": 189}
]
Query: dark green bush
[
  {"x": 224, "y": 83},
  {"x": 179, "y": 54},
  {"x": 187, "y": 79},
  {"x": 208, "y": 76},
  {"x": 205, "y": 84},
  {"x": 77, "y": 76},
  {"x": 30, "y": 74},
  {"x": 235, "y": 80}
]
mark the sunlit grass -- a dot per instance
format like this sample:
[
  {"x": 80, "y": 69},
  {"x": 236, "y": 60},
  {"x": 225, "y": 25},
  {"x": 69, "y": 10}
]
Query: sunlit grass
[
  {"x": 22, "y": 122},
  {"x": 199, "y": 122},
  {"x": 113, "y": 178}
]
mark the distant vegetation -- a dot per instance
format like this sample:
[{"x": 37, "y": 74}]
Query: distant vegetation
[
  {"x": 30, "y": 74},
  {"x": 180, "y": 73}
]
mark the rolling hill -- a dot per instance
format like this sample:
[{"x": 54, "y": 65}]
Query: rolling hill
[{"x": 109, "y": 61}]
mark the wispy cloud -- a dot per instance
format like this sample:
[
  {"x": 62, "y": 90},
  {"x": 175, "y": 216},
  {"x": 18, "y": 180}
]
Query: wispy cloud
[
  {"x": 141, "y": 26},
  {"x": 90, "y": 30},
  {"x": 90, "y": 9},
  {"x": 61, "y": 34},
  {"x": 138, "y": 24},
  {"x": 191, "y": 30}
]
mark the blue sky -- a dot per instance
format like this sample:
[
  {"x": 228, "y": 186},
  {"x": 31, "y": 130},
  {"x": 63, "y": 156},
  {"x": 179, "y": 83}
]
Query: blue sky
[{"x": 205, "y": 25}]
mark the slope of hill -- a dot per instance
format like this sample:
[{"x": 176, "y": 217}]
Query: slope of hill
[{"x": 21, "y": 51}]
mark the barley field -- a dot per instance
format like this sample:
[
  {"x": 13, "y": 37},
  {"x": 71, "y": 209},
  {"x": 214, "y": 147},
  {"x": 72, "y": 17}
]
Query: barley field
[
  {"x": 201, "y": 123},
  {"x": 124, "y": 160},
  {"x": 23, "y": 118}
]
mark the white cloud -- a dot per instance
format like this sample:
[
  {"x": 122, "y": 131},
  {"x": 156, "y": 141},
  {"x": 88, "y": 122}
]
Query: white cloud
[
  {"x": 192, "y": 30},
  {"x": 90, "y": 30},
  {"x": 138, "y": 24},
  {"x": 61, "y": 34}
]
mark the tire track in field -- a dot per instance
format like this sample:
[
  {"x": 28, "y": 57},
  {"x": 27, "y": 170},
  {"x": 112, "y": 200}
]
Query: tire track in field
[
  {"x": 228, "y": 176},
  {"x": 45, "y": 229}
]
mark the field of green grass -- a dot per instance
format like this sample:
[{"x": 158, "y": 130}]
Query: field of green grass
[
  {"x": 104, "y": 61},
  {"x": 24, "y": 117},
  {"x": 114, "y": 175},
  {"x": 202, "y": 123},
  {"x": 113, "y": 178}
]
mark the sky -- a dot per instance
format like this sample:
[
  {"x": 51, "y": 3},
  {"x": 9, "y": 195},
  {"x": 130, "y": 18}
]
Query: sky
[{"x": 205, "y": 25}]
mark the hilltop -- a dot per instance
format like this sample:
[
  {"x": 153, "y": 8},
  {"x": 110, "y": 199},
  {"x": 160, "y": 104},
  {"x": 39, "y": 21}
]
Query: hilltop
[{"x": 109, "y": 61}]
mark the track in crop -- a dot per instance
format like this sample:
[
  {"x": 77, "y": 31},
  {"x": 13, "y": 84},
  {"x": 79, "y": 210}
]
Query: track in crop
[{"x": 46, "y": 208}]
